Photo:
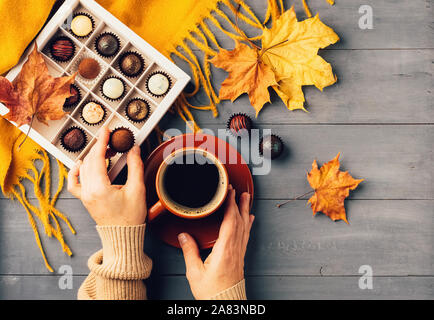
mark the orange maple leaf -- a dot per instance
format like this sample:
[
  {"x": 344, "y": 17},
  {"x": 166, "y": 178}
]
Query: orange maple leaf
[
  {"x": 331, "y": 187},
  {"x": 35, "y": 93},
  {"x": 247, "y": 74}
]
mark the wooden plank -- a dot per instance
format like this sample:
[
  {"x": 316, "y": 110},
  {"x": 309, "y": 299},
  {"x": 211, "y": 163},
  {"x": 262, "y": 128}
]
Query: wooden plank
[
  {"x": 372, "y": 152},
  {"x": 395, "y": 160},
  {"x": 268, "y": 288},
  {"x": 397, "y": 24},
  {"x": 374, "y": 86},
  {"x": 393, "y": 237}
]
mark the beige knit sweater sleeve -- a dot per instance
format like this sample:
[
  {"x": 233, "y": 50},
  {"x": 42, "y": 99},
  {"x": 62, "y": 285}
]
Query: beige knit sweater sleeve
[{"x": 118, "y": 270}]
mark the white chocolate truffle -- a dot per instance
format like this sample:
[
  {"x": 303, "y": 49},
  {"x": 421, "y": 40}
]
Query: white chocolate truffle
[
  {"x": 158, "y": 84},
  {"x": 81, "y": 25},
  {"x": 113, "y": 88}
]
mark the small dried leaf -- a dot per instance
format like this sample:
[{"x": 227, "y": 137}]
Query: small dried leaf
[
  {"x": 35, "y": 92},
  {"x": 290, "y": 48},
  {"x": 331, "y": 187},
  {"x": 247, "y": 74}
]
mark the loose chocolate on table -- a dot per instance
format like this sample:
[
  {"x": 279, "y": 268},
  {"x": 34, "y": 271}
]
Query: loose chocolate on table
[
  {"x": 93, "y": 113},
  {"x": 239, "y": 124},
  {"x": 271, "y": 145}
]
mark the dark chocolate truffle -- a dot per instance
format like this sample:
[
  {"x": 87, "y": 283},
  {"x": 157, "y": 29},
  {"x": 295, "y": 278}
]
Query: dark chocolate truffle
[
  {"x": 107, "y": 44},
  {"x": 74, "y": 139},
  {"x": 74, "y": 98},
  {"x": 239, "y": 124},
  {"x": 121, "y": 140},
  {"x": 131, "y": 64},
  {"x": 137, "y": 110},
  {"x": 89, "y": 68},
  {"x": 271, "y": 146},
  {"x": 62, "y": 49}
]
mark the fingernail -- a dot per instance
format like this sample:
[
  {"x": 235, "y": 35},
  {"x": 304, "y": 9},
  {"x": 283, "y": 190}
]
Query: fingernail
[
  {"x": 182, "y": 238},
  {"x": 136, "y": 149}
]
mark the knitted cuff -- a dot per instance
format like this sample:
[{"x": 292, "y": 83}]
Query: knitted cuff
[
  {"x": 122, "y": 256},
  {"x": 236, "y": 292}
]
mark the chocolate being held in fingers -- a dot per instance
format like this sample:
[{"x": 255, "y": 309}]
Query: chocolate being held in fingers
[{"x": 121, "y": 140}]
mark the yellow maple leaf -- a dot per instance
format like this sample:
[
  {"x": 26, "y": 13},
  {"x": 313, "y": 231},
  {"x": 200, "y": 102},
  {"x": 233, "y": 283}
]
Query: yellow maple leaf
[
  {"x": 247, "y": 74},
  {"x": 331, "y": 187},
  {"x": 290, "y": 48}
]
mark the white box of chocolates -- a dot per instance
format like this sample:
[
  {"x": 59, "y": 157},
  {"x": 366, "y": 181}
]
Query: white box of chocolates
[{"x": 122, "y": 82}]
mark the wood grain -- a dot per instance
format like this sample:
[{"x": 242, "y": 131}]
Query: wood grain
[
  {"x": 379, "y": 115},
  {"x": 374, "y": 86},
  {"x": 397, "y": 23},
  {"x": 268, "y": 288},
  {"x": 394, "y": 237}
]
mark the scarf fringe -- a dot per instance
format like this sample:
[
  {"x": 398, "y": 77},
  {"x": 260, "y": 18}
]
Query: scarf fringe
[
  {"x": 199, "y": 36},
  {"x": 47, "y": 214}
]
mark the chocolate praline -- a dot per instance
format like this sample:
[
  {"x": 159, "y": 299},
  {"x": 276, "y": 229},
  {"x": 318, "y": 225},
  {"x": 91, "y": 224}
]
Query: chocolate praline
[
  {"x": 239, "y": 124},
  {"x": 62, "y": 49},
  {"x": 271, "y": 146},
  {"x": 137, "y": 110},
  {"x": 131, "y": 64},
  {"x": 92, "y": 113},
  {"x": 89, "y": 68},
  {"x": 74, "y": 139},
  {"x": 82, "y": 25},
  {"x": 107, "y": 44},
  {"x": 113, "y": 88},
  {"x": 158, "y": 84},
  {"x": 74, "y": 98},
  {"x": 121, "y": 140}
]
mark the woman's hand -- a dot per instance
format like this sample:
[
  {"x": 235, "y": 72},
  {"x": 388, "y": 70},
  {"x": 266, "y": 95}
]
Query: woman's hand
[
  {"x": 224, "y": 267},
  {"x": 109, "y": 204}
]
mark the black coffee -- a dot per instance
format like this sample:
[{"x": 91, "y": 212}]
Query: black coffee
[{"x": 192, "y": 184}]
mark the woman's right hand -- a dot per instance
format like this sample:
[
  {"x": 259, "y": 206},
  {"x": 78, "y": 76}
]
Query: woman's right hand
[{"x": 224, "y": 267}]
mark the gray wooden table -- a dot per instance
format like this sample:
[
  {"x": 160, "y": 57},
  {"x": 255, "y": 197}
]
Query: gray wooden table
[{"x": 379, "y": 115}]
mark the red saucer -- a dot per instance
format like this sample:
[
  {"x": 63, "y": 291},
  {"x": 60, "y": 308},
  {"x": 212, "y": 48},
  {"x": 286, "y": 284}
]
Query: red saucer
[{"x": 205, "y": 230}]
